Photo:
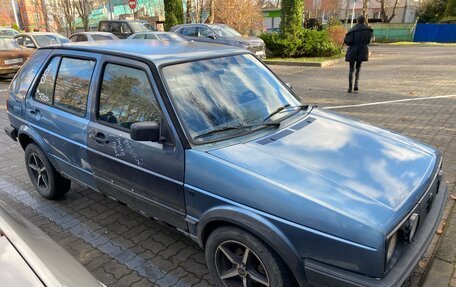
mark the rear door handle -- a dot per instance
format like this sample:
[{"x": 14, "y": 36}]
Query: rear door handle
[{"x": 100, "y": 138}]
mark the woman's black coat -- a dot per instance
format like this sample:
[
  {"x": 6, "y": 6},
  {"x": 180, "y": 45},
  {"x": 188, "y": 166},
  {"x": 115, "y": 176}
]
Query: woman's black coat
[{"x": 357, "y": 39}]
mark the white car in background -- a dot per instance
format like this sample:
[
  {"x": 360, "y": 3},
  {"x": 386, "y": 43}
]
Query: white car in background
[
  {"x": 161, "y": 36},
  {"x": 92, "y": 36}
]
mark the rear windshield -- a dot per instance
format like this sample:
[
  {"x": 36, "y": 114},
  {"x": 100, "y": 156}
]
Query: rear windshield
[
  {"x": 9, "y": 44},
  {"x": 46, "y": 40},
  {"x": 99, "y": 37}
]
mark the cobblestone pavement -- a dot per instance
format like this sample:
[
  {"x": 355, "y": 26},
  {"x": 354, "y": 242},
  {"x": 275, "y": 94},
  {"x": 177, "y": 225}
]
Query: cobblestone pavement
[{"x": 123, "y": 248}]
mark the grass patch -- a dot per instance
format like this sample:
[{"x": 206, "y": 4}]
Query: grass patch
[
  {"x": 422, "y": 44},
  {"x": 306, "y": 59}
]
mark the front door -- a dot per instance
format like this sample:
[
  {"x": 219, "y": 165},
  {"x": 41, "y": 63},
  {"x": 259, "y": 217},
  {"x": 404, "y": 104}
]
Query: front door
[{"x": 148, "y": 176}]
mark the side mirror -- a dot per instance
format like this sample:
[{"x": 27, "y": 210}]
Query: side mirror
[
  {"x": 212, "y": 36},
  {"x": 145, "y": 131},
  {"x": 289, "y": 86},
  {"x": 30, "y": 46}
]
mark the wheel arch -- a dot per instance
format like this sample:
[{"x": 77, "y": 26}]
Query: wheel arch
[
  {"x": 257, "y": 225},
  {"x": 26, "y": 136}
]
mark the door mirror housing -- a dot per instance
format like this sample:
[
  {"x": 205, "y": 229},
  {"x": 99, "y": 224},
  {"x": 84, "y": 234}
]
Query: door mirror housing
[
  {"x": 145, "y": 131},
  {"x": 212, "y": 36}
]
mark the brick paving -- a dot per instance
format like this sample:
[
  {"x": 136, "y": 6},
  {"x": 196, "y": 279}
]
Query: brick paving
[{"x": 123, "y": 248}]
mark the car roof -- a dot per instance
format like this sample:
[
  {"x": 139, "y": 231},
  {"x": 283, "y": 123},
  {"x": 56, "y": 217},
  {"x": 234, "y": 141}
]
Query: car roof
[
  {"x": 39, "y": 33},
  {"x": 158, "y": 52},
  {"x": 93, "y": 33}
]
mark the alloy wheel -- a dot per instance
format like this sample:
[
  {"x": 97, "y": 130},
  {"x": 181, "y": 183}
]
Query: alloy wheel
[
  {"x": 39, "y": 171},
  {"x": 237, "y": 265}
]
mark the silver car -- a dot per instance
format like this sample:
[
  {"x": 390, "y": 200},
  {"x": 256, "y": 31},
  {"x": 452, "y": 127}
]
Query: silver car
[
  {"x": 28, "y": 257},
  {"x": 221, "y": 34},
  {"x": 162, "y": 36},
  {"x": 92, "y": 36}
]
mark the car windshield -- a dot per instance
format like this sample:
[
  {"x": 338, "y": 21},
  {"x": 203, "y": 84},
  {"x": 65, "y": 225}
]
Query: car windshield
[
  {"x": 138, "y": 27},
  {"x": 8, "y": 44},
  {"x": 101, "y": 37},
  {"x": 46, "y": 40},
  {"x": 169, "y": 37},
  {"x": 8, "y": 32},
  {"x": 225, "y": 31},
  {"x": 226, "y": 94}
]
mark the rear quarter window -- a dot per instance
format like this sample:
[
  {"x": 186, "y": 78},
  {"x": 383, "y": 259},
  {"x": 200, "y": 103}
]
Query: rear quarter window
[{"x": 24, "y": 78}]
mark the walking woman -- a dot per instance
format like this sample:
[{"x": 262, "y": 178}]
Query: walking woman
[{"x": 357, "y": 40}]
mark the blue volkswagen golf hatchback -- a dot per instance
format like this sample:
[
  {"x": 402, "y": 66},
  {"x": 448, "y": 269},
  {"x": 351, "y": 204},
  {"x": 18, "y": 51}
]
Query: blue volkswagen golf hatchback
[{"x": 207, "y": 139}]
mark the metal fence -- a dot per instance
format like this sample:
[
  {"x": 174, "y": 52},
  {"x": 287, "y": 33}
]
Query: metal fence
[
  {"x": 441, "y": 33},
  {"x": 389, "y": 32}
]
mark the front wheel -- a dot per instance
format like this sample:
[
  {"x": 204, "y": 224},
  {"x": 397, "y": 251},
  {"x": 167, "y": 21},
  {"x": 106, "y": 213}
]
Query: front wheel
[
  {"x": 46, "y": 180},
  {"x": 236, "y": 258}
]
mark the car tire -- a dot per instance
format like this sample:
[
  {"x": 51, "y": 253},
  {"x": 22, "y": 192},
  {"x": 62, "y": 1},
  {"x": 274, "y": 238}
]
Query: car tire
[
  {"x": 46, "y": 180},
  {"x": 237, "y": 258}
]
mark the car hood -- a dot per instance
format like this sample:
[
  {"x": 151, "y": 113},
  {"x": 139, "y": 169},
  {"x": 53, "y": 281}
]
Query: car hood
[
  {"x": 254, "y": 41},
  {"x": 368, "y": 174}
]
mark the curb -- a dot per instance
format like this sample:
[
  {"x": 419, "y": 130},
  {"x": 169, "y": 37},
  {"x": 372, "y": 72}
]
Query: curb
[{"x": 306, "y": 64}]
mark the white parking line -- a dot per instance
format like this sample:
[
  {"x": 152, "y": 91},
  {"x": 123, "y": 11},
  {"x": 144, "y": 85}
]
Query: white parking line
[{"x": 389, "y": 102}]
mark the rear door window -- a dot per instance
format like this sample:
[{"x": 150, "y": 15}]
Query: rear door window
[
  {"x": 65, "y": 84},
  {"x": 72, "y": 85}
]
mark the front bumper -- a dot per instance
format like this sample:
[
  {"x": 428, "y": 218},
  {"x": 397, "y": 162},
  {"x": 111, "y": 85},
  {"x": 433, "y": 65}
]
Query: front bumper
[{"x": 319, "y": 274}]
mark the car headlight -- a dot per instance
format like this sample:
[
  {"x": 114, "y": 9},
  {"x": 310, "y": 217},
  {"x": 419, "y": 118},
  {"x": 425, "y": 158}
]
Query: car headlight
[{"x": 392, "y": 243}]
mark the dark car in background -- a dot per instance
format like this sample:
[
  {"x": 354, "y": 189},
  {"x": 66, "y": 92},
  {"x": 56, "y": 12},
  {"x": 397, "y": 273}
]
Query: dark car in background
[
  {"x": 221, "y": 34},
  {"x": 207, "y": 139},
  {"x": 92, "y": 36},
  {"x": 162, "y": 36},
  {"x": 124, "y": 28},
  {"x": 12, "y": 56},
  {"x": 34, "y": 40}
]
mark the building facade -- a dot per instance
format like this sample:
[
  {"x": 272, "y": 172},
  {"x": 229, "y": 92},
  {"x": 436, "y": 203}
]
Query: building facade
[{"x": 6, "y": 13}]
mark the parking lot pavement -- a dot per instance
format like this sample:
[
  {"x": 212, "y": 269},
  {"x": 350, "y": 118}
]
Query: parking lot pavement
[{"x": 123, "y": 248}]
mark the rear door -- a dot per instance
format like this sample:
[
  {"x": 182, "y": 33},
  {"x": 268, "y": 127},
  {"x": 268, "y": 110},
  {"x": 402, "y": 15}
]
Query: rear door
[
  {"x": 56, "y": 109},
  {"x": 148, "y": 176}
]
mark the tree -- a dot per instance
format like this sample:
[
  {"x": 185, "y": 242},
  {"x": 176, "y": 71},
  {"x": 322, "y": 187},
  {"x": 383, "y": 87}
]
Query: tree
[
  {"x": 243, "y": 15},
  {"x": 292, "y": 20},
  {"x": 190, "y": 11},
  {"x": 383, "y": 14},
  {"x": 432, "y": 11},
  {"x": 174, "y": 13},
  {"x": 212, "y": 15},
  {"x": 84, "y": 9},
  {"x": 366, "y": 9},
  {"x": 69, "y": 12},
  {"x": 451, "y": 9}
]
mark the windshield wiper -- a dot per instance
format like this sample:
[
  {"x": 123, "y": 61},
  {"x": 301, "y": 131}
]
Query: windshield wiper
[
  {"x": 227, "y": 128},
  {"x": 278, "y": 110}
]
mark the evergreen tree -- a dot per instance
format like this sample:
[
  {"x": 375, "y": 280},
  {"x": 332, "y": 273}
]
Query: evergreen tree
[
  {"x": 174, "y": 13},
  {"x": 292, "y": 20},
  {"x": 451, "y": 8}
]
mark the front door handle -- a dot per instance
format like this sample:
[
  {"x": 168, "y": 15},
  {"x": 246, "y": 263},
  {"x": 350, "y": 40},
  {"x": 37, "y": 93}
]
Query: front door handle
[{"x": 100, "y": 138}]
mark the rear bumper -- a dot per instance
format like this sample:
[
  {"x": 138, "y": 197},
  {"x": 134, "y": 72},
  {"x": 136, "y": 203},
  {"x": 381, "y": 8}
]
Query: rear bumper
[
  {"x": 319, "y": 274},
  {"x": 11, "y": 132}
]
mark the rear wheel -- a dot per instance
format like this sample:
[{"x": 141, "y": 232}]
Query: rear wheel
[
  {"x": 236, "y": 258},
  {"x": 46, "y": 180}
]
